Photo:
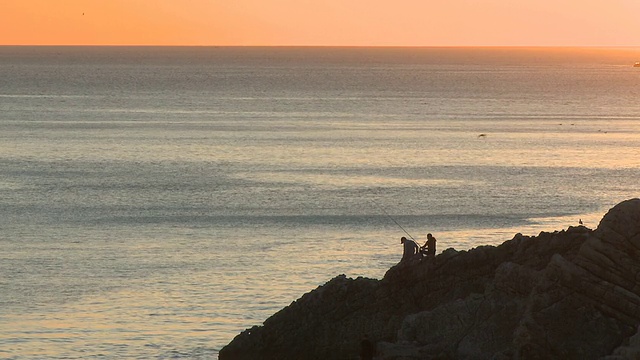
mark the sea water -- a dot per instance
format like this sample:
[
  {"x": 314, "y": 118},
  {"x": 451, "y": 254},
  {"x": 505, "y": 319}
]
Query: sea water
[{"x": 154, "y": 202}]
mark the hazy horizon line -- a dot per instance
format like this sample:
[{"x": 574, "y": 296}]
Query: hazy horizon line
[{"x": 339, "y": 46}]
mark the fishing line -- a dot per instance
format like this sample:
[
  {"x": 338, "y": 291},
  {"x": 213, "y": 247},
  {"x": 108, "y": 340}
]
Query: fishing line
[{"x": 390, "y": 217}]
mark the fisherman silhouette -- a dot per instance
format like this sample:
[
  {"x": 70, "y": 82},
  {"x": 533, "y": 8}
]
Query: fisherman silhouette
[
  {"x": 411, "y": 248},
  {"x": 429, "y": 247}
]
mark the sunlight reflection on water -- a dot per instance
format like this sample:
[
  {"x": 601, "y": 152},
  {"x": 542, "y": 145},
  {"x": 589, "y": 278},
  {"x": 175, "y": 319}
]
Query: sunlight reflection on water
[{"x": 148, "y": 213}]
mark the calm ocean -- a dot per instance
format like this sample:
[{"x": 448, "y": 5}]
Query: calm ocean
[{"x": 154, "y": 202}]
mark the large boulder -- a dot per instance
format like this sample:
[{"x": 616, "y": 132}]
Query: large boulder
[
  {"x": 585, "y": 307},
  {"x": 571, "y": 294}
]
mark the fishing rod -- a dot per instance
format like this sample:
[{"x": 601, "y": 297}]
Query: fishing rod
[{"x": 392, "y": 219}]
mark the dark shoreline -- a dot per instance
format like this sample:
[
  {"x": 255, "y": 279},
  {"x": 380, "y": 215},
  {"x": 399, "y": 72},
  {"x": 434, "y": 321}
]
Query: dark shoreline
[{"x": 522, "y": 299}]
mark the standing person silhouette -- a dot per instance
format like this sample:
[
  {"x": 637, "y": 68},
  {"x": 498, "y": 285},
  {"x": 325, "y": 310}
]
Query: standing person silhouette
[
  {"x": 367, "y": 349},
  {"x": 411, "y": 248}
]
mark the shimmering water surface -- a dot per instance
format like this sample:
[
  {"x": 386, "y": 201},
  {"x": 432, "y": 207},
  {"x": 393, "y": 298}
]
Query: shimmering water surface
[{"x": 154, "y": 202}]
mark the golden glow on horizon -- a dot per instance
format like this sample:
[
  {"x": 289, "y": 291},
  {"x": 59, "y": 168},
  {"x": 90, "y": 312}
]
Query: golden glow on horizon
[{"x": 329, "y": 22}]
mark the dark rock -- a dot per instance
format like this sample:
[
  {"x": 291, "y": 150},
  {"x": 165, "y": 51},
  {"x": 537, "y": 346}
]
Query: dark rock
[{"x": 571, "y": 294}]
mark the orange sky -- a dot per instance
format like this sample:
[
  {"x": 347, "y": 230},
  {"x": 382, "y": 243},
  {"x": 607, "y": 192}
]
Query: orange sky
[{"x": 321, "y": 22}]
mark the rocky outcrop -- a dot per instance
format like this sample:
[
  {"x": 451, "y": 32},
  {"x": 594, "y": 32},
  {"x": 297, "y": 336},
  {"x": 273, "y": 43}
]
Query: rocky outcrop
[{"x": 571, "y": 294}]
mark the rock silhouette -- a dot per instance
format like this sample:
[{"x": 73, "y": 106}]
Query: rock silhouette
[{"x": 570, "y": 294}]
